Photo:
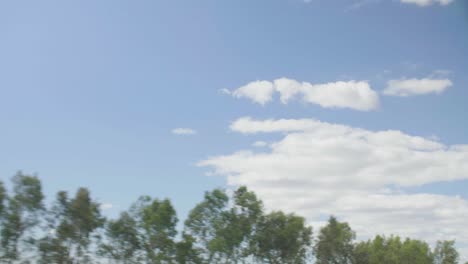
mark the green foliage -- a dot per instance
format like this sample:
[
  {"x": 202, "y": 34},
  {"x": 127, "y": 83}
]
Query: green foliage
[
  {"x": 71, "y": 226},
  {"x": 222, "y": 228},
  {"x": 335, "y": 243},
  {"x": 391, "y": 250},
  {"x": 156, "y": 220},
  {"x": 416, "y": 252},
  {"x": 20, "y": 216},
  {"x": 445, "y": 253},
  {"x": 282, "y": 238},
  {"x": 3, "y": 197},
  {"x": 186, "y": 253},
  {"x": 122, "y": 240}
]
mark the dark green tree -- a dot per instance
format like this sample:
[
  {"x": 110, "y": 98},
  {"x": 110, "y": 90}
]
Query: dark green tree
[
  {"x": 122, "y": 242},
  {"x": 73, "y": 225},
  {"x": 282, "y": 238},
  {"x": 222, "y": 227},
  {"x": 3, "y": 197},
  {"x": 186, "y": 253},
  {"x": 362, "y": 252},
  {"x": 21, "y": 215},
  {"x": 156, "y": 220},
  {"x": 334, "y": 244}
]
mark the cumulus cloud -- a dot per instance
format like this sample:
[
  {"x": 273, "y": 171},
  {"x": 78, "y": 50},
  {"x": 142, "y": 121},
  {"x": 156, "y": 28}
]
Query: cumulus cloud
[
  {"x": 408, "y": 87},
  {"x": 319, "y": 168},
  {"x": 356, "y": 95},
  {"x": 183, "y": 131},
  {"x": 427, "y": 2},
  {"x": 259, "y": 91},
  {"x": 351, "y": 94}
]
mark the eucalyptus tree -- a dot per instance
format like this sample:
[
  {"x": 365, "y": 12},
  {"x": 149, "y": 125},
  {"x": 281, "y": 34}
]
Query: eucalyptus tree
[
  {"x": 282, "y": 238},
  {"x": 445, "y": 253},
  {"x": 186, "y": 252},
  {"x": 122, "y": 242},
  {"x": 73, "y": 226},
  {"x": 222, "y": 226},
  {"x": 416, "y": 252},
  {"x": 3, "y": 196},
  {"x": 20, "y": 216},
  {"x": 334, "y": 244},
  {"x": 391, "y": 250},
  {"x": 156, "y": 225}
]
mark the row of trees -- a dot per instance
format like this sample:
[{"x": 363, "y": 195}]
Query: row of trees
[{"x": 222, "y": 228}]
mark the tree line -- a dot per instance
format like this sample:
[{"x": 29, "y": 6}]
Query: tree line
[{"x": 223, "y": 228}]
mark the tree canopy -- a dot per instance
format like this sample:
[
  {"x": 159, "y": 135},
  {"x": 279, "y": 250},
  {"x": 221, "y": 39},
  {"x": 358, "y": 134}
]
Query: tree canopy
[{"x": 225, "y": 227}]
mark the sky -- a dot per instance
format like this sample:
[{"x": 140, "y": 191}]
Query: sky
[{"x": 355, "y": 108}]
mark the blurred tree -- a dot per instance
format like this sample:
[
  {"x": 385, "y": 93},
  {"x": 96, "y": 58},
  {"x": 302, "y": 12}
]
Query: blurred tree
[
  {"x": 3, "y": 197},
  {"x": 156, "y": 221},
  {"x": 72, "y": 226},
  {"x": 21, "y": 215},
  {"x": 122, "y": 243},
  {"x": 186, "y": 253},
  {"x": 445, "y": 253},
  {"x": 335, "y": 243},
  {"x": 415, "y": 252}
]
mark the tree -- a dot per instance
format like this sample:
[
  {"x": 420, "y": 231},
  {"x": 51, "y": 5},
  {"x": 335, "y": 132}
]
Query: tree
[
  {"x": 361, "y": 252},
  {"x": 222, "y": 227},
  {"x": 445, "y": 253},
  {"x": 72, "y": 224},
  {"x": 204, "y": 222},
  {"x": 385, "y": 250},
  {"x": 122, "y": 243},
  {"x": 416, "y": 252},
  {"x": 334, "y": 243},
  {"x": 156, "y": 220},
  {"x": 20, "y": 217},
  {"x": 282, "y": 238},
  {"x": 3, "y": 197},
  {"x": 186, "y": 253}
]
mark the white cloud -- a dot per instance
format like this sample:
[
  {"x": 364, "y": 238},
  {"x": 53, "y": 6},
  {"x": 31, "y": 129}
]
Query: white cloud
[
  {"x": 260, "y": 144},
  {"x": 359, "y": 4},
  {"x": 260, "y": 92},
  {"x": 351, "y": 94},
  {"x": 287, "y": 88},
  {"x": 356, "y": 95},
  {"x": 183, "y": 131},
  {"x": 408, "y": 87},
  {"x": 320, "y": 168},
  {"x": 427, "y": 2}
]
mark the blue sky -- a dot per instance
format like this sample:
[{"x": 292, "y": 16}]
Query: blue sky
[{"x": 90, "y": 92}]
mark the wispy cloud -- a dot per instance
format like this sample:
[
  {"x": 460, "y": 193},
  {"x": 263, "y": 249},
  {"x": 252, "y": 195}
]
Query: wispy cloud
[
  {"x": 409, "y": 87},
  {"x": 424, "y": 3},
  {"x": 183, "y": 131},
  {"x": 361, "y": 3}
]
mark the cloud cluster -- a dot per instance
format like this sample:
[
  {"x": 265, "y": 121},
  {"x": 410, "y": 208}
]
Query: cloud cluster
[
  {"x": 356, "y": 95},
  {"x": 183, "y": 131},
  {"x": 319, "y": 168},
  {"x": 408, "y": 87},
  {"x": 427, "y": 2}
]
